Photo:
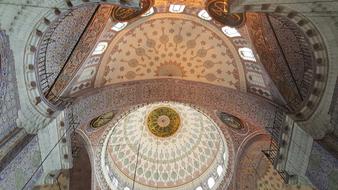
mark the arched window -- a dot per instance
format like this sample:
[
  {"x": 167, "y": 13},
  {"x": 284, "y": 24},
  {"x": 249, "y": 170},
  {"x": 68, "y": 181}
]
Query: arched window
[
  {"x": 203, "y": 14},
  {"x": 199, "y": 188},
  {"x": 115, "y": 182},
  {"x": 246, "y": 54},
  {"x": 219, "y": 170},
  {"x": 211, "y": 182},
  {"x": 100, "y": 48},
  {"x": 119, "y": 26},
  {"x": 176, "y": 8},
  {"x": 230, "y": 32}
]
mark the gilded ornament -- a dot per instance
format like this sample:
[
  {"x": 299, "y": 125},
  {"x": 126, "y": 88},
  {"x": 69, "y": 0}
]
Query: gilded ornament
[
  {"x": 219, "y": 10},
  {"x": 163, "y": 121},
  {"x": 231, "y": 121},
  {"x": 102, "y": 120}
]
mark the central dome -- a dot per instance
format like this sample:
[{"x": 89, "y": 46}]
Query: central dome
[
  {"x": 163, "y": 121},
  {"x": 164, "y": 146}
]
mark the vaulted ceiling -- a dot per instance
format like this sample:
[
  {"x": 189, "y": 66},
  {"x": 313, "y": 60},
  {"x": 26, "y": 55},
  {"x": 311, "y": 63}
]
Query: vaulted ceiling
[{"x": 167, "y": 41}]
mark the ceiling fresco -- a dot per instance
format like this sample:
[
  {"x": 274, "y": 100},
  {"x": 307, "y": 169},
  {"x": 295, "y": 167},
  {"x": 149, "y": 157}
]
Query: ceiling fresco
[{"x": 176, "y": 41}]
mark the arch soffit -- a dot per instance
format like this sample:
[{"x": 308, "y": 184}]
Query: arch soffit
[{"x": 314, "y": 115}]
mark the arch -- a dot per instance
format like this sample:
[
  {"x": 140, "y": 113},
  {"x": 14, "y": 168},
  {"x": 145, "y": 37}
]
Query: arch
[
  {"x": 82, "y": 163},
  {"x": 35, "y": 112},
  {"x": 246, "y": 175},
  {"x": 138, "y": 92},
  {"x": 314, "y": 115}
]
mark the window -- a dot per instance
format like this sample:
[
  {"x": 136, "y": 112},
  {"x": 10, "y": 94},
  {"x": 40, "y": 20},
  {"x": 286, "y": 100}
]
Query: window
[
  {"x": 199, "y": 188},
  {"x": 219, "y": 170},
  {"x": 149, "y": 12},
  {"x": 119, "y": 26},
  {"x": 100, "y": 48},
  {"x": 211, "y": 182},
  {"x": 246, "y": 54},
  {"x": 176, "y": 8},
  {"x": 230, "y": 32},
  {"x": 203, "y": 14},
  {"x": 115, "y": 182}
]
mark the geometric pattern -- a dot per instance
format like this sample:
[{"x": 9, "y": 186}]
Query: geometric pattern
[
  {"x": 133, "y": 157},
  {"x": 163, "y": 121},
  {"x": 167, "y": 46},
  {"x": 9, "y": 100}
]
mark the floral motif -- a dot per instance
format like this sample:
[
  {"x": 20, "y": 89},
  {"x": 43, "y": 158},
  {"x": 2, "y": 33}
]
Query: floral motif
[{"x": 163, "y": 121}]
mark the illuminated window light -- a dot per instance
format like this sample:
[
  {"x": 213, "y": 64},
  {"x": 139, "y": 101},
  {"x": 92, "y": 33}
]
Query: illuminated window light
[
  {"x": 203, "y": 14},
  {"x": 230, "y": 32},
  {"x": 100, "y": 48},
  {"x": 199, "y": 188},
  {"x": 211, "y": 182},
  {"x": 149, "y": 12},
  {"x": 176, "y": 8},
  {"x": 115, "y": 182},
  {"x": 219, "y": 170},
  {"x": 119, "y": 26},
  {"x": 247, "y": 54}
]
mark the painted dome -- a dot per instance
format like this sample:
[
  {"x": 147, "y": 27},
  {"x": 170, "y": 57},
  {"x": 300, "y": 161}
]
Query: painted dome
[
  {"x": 163, "y": 121},
  {"x": 164, "y": 146}
]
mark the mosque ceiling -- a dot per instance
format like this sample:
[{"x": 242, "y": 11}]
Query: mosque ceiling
[
  {"x": 195, "y": 155},
  {"x": 84, "y": 46},
  {"x": 172, "y": 42},
  {"x": 168, "y": 41},
  {"x": 175, "y": 47},
  {"x": 58, "y": 42}
]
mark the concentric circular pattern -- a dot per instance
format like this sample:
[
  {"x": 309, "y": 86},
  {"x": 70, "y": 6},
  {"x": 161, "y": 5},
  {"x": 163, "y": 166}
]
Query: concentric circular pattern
[
  {"x": 132, "y": 156},
  {"x": 163, "y": 122},
  {"x": 172, "y": 46}
]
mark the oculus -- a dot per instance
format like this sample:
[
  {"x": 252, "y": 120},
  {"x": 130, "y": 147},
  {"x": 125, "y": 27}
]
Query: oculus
[
  {"x": 163, "y": 122},
  {"x": 231, "y": 121},
  {"x": 219, "y": 10}
]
